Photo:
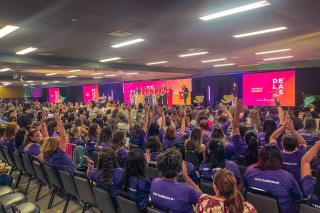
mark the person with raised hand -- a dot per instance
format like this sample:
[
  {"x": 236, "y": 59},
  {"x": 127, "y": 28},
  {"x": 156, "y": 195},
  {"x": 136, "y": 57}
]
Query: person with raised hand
[{"x": 310, "y": 190}]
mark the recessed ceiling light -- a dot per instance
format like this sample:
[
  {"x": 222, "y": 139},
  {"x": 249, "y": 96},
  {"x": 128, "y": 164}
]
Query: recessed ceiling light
[
  {"x": 25, "y": 85},
  {"x": 126, "y": 43},
  {"x": 55, "y": 82},
  {"x": 97, "y": 73},
  {"x": 50, "y": 74},
  {"x": 26, "y": 51},
  {"x": 5, "y": 69},
  {"x": 235, "y": 10},
  {"x": 132, "y": 73},
  {"x": 224, "y": 65},
  {"x": 7, "y": 29},
  {"x": 278, "y": 58},
  {"x": 260, "y": 32},
  {"x": 213, "y": 60},
  {"x": 157, "y": 62},
  {"x": 97, "y": 77},
  {"x": 110, "y": 59},
  {"x": 30, "y": 81},
  {"x": 44, "y": 83},
  {"x": 74, "y": 70},
  {"x": 71, "y": 76},
  {"x": 110, "y": 75},
  {"x": 32, "y": 84},
  {"x": 6, "y": 83},
  {"x": 272, "y": 51},
  {"x": 192, "y": 54}
]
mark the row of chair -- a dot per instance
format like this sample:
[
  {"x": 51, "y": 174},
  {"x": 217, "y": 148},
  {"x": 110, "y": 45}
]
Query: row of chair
[
  {"x": 77, "y": 187},
  {"x": 71, "y": 187}
]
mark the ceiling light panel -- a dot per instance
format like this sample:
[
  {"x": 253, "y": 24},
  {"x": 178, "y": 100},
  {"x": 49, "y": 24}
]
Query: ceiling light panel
[
  {"x": 271, "y": 30},
  {"x": 26, "y": 51},
  {"x": 192, "y": 54},
  {"x": 272, "y": 51},
  {"x": 224, "y": 65},
  {"x": 157, "y": 62},
  {"x": 71, "y": 76},
  {"x": 5, "y": 69},
  {"x": 110, "y": 59},
  {"x": 50, "y": 74},
  {"x": 213, "y": 60},
  {"x": 126, "y": 43},
  {"x": 278, "y": 58},
  {"x": 235, "y": 10},
  {"x": 7, "y": 30}
]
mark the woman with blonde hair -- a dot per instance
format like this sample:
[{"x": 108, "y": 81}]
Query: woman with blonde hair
[
  {"x": 227, "y": 199},
  {"x": 53, "y": 148},
  {"x": 9, "y": 135}
]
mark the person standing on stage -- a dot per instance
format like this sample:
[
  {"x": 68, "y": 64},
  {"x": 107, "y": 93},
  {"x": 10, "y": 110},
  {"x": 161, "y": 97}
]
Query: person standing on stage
[
  {"x": 185, "y": 91},
  {"x": 169, "y": 94},
  {"x": 137, "y": 98},
  {"x": 164, "y": 95},
  {"x": 150, "y": 95},
  {"x": 142, "y": 95}
]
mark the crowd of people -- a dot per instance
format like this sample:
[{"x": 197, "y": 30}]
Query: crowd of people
[{"x": 277, "y": 145}]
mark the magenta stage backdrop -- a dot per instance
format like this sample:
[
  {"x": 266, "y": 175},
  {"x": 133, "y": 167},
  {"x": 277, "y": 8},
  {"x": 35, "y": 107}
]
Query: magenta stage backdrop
[{"x": 176, "y": 86}]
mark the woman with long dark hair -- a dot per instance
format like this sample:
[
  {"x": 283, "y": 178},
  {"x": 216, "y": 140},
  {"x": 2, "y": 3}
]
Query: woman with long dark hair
[
  {"x": 227, "y": 196},
  {"x": 267, "y": 174},
  {"x": 135, "y": 182},
  {"x": 107, "y": 174},
  {"x": 244, "y": 140},
  {"x": 216, "y": 161},
  {"x": 118, "y": 142},
  {"x": 31, "y": 144}
]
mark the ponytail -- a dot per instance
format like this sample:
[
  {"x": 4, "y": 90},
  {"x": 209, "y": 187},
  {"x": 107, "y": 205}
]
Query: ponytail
[{"x": 226, "y": 184}]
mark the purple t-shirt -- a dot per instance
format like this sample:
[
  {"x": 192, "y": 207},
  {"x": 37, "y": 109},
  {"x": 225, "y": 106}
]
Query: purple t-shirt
[
  {"x": 60, "y": 160},
  {"x": 33, "y": 149},
  {"x": 207, "y": 172},
  {"x": 77, "y": 142},
  {"x": 280, "y": 183},
  {"x": 309, "y": 138},
  {"x": 292, "y": 162},
  {"x": 138, "y": 190},
  {"x": 117, "y": 173},
  {"x": 140, "y": 141},
  {"x": 122, "y": 155},
  {"x": 262, "y": 139},
  {"x": 168, "y": 143},
  {"x": 104, "y": 144},
  {"x": 175, "y": 196},
  {"x": 225, "y": 126},
  {"x": 308, "y": 189},
  {"x": 240, "y": 147}
]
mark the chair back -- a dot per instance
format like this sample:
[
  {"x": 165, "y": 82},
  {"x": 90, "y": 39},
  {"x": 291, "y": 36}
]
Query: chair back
[
  {"x": 154, "y": 210},
  {"x": 305, "y": 208},
  {"x": 40, "y": 173},
  {"x": 152, "y": 172},
  {"x": 85, "y": 190},
  {"x": 193, "y": 158},
  {"x": 18, "y": 160},
  {"x": 206, "y": 186},
  {"x": 28, "y": 164},
  {"x": 8, "y": 156},
  {"x": 53, "y": 176},
  {"x": 69, "y": 150},
  {"x": 262, "y": 200},
  {"x": 68, "y": 183},
  {"x": 104, "y": 201},
  {"x": 126, "y": 204},
  {"x": 78, "y": 153},
  {"x": 2, "y": 156}
]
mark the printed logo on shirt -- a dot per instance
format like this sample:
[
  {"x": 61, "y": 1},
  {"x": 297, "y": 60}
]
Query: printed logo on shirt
[
  {"x": 266, "y": 181},
  {"x": 290, "y": 164},
  {"x": 132, "y": 189},
  {"x": 163, "y": 196}
]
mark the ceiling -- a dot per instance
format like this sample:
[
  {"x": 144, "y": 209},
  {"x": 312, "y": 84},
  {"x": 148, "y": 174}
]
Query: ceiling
[{"x": 76, "y": 34}]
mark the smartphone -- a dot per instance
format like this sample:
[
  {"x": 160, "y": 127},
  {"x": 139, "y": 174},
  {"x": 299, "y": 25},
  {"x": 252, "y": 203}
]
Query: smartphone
[{"x": 50, "y": 115}]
